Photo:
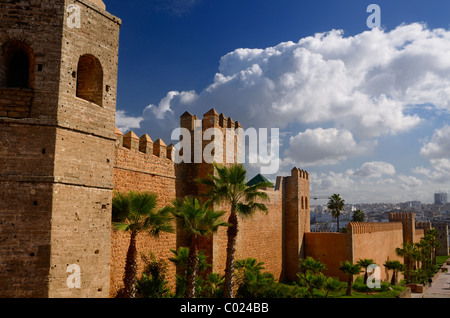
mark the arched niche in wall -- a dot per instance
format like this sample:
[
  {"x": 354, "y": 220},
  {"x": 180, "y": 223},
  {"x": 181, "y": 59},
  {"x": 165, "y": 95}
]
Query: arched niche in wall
[{"x": 90, "y": 79}]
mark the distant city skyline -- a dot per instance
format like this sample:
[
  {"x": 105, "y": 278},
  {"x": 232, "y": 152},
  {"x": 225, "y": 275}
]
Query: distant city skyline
[{"x": 364, "y": 111}]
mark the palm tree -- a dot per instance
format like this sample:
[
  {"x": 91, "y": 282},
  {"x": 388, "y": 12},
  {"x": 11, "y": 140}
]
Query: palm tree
[
  {"x": 336, "y": 205},
  {"x": 136, "y": 213},
  {"x": 425, "y": 248},
  {"x": 431, "y": 237},
  {"x": 310, "y": 274},
  {"x": 409, "y": 252},
  {"x": 395, "y": 266},
  {"x": 350, "y": 269},
  {"x": 364, "y": 263},
  {"x": 333, "y": 285},
  {"x": 309, "y": 264},
  {"x": 180, "y": 259},
  {"x": 213, "y": 287},
  {"x": 228, "y": 185},
  {"x": 199, "y": 220},
  {"x": 249, "y": 264},
  {"x": 358, "y": 216}
]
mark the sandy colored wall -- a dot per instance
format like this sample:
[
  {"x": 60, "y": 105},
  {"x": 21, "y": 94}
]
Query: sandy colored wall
[
  {"x": 418, "y": 235},
  {"x": 330, "y": 249},
  {"x": 376, "y": 241},
  {"x": 261, "y": 237}
]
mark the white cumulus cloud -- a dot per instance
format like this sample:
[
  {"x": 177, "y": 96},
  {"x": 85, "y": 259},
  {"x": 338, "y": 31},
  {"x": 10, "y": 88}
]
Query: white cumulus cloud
[
  {"x": 439, "y": 146},
  {"x": 125, "y": 122},
  {"x": 375, "y": 169},
  {"x": 363, "y": 83},
  {"x": 324, "y": 147}
]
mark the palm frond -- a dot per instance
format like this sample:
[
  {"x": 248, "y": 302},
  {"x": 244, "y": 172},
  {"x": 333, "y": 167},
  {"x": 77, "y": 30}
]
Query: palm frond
[{"x": 121, "y": 226}]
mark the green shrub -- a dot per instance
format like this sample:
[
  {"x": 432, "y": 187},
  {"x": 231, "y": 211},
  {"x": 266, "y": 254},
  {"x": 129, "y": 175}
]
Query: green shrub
[
  {"x": 212, "y": 287},
  {"x": 153, "y": 283}
]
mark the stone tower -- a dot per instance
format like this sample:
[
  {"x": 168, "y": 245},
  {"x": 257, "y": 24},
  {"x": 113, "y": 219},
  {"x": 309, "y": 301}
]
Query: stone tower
[
  {"x": 296, "y": 211},
  {"x": 214, "y": 138},
  {"x": 223, "y": 151},
  {"x": 442, "y": 229},
  {"x": 408, "y": 223},
  {"x": 58, "y": 77}
]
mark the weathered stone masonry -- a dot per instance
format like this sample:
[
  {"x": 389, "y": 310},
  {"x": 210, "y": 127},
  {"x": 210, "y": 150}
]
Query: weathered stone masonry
[{"x": 56, "y": 149}]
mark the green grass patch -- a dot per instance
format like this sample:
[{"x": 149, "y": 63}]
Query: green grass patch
[
  {"x": 386, "y": 290},
  {"x": 441, "y": 260}
]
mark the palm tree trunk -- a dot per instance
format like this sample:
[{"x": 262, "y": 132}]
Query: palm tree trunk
[
  {"x": 232, "y": 232},
  {"x": 192, "y": 267},
  {"x": 349, "y": 285},
  {"x": 408, "y": 271},
  {"x": 131, "y": 267},
  {"x": 394, "y": 278},
  {"x": 337, "y": 218}
]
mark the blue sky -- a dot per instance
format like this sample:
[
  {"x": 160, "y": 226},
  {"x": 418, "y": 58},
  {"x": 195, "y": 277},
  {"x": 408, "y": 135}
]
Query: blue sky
[{"x": 364, "y": 111}]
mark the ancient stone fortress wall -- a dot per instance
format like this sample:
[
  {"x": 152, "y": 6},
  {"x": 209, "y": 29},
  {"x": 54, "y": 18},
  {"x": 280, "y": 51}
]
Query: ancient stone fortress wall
[
  {"x": 142, "y": 165},
  {"x": 377, "y": 241},
  {"x": 275, "y": 238},
  {"x": 330, "y": 249}
]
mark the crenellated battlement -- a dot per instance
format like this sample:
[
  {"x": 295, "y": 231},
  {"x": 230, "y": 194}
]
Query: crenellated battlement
[
  {"x": 441, "y": 226},
  {"x": 211, "y": 119},
  {"x": 145, "y": 145},
  {"x": 407, "y": 219},
  {"x": 302, "y": 174},
  {"x": 423, "y": 225},
  {"x": 366, "y": 227},
  {"x": 398, "y": 216}
]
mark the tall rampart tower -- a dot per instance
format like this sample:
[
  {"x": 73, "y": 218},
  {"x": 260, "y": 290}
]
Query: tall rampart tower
[
  {"x": 214, "y": 138},
  {"x": 408, "y": 222},
  {"x": 58, "y": 77},
  {"x": 209, "y": 143},
  {"x": 442, "y": 229},
  {"x": 296, "y": 219}
]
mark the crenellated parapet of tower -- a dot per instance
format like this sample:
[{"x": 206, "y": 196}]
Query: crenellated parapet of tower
[
  {"x": 399, "y": 216},
  {"x": 408, "y": 222},
  {"x": 443, "y": 238},
  {"x": 423, "y": 225},
  {"x": 211, "y": 119},
  {"x": 302, "y": 174},
  {"x": 216, "y": 135}
]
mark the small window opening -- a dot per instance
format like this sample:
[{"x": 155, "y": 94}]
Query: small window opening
[{"x": 16, "y": 65}]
